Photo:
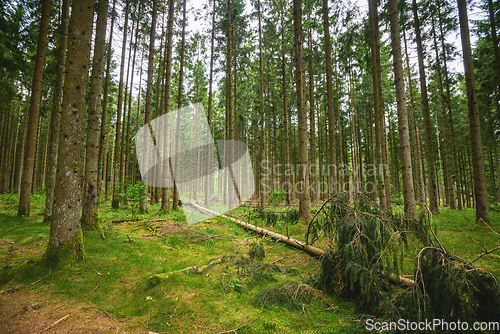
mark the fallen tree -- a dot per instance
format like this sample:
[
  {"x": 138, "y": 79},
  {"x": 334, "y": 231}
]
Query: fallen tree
[{"x": 315, "y": 252}]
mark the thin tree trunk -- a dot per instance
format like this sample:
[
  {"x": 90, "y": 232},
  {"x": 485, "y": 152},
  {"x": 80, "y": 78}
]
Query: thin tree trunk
[
  {"x": 285, "y": 107},
  {"x": 332, "y": 156},
  {"x": 117, "y": 153},
  {"x": 89, "y": 208},
  {"x": 66, "y": 239},
  {"x": 175, "y": 196},
  {"x": 209, "y": 180},
  {"x": 432, "y": 184},
  {"x": 452, "y": 132},
  {"x": 482, "y": 207},
  {"x": 168, "y": 79},
  {"x": 404, "y": 133},
  {"x": 261, "y": 111},
  {"x": 36, "y": 96},
  {"x": 377, "y": 96},
  {"x": 149, "y": 90},
  {"x": 312, "y": 125},
  {"x": 446, "y": 136},
  {"x": 303, "y": 176},
  {"x": 103, "y": 137}
]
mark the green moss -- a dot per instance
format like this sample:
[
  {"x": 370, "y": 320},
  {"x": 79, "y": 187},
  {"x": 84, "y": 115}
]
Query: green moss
[
  {"x": 90, "y": 222},
  {"x": 66, "y": 252},
  {"x": 75, "y": 166}
]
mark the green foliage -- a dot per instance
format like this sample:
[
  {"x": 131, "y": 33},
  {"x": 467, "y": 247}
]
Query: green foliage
[
  {"x": 257, "y": 251},
  {"x": 367, "y": 259},
  {"x": 135, "y": 194},
  {"x": 277, "y": 197},
  {"x": 292, "y": 296}
]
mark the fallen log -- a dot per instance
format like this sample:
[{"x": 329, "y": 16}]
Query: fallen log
[{"x": 315, "y": 252}]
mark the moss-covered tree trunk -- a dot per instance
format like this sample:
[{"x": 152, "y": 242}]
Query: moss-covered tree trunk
[
  {"x": 66, "y": 240},
  {"x": 302, "y": 112},
  {"x": 480, "y": 189},
  {"x": 34, "y": 112},
  {"x": 90, "y": 204}
]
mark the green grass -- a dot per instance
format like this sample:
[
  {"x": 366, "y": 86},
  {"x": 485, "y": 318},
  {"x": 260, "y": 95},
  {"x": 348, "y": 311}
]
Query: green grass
[{"x": 113, "y": 276}]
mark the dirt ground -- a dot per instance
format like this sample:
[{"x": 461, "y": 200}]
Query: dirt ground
[{"x": 30, "y": 312}]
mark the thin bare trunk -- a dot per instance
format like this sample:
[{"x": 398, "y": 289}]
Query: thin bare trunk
[
  {"x": 36, "y": 96},
  {"x": 480, "y": 190},
  {"x": 432, "y": 184}
]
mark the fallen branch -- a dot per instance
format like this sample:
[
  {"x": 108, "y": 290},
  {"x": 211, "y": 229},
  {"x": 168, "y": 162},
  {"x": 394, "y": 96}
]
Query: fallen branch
[
  {"x": 158, "y": 278},
  {"x": 53, "y": 324},
  {"x": 205, "y": 267},
  {"x": 486, "y": 253}
]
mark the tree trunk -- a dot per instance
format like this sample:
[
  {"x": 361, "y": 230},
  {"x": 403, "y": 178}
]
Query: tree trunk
[
  {"x": 482, "y": 207},
  {"x": 209, "y": 180},
  {"x": 432, "y": 184},
  {"x": 285, "y": 108},
  {"x": 404, "y": 133},
  {"x": 66, "y": 239},
  {"x": 117, "y": 153},
  {"x": 168, "y": 79},
  {"x": 175, "y": 196},
  {"x": 103, "y": 147},
  {"x": 446, "y": 136},
  {"x": 312, "y": 125},
  {"x": 261, "y": 111},
  {"x": 36, "y": 96},
  {"x": 149, "y": 90},
  {"x": 332, "y": 156},
  {"x": 303, "y": 176},
  {"x": 377, "y": 96},
  {"x": 90, "y": 204}
]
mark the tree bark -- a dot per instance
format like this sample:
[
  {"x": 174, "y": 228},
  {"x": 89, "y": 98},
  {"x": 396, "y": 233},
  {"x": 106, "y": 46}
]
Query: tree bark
[
  {"x": 431, "y": 162},
  {"x": 404, "y": 133},
  {"x": 90, "y": 203},
  {"x": 482, "y": 207},
  {"x": 103, "y": 147},
  {"x": 66, "y": 239},
  {"x": 377, "y": 96},
  {"x": 303, "y": 176},
  {"x": 149, "y": 88},
  {"x": 34, "y": 112},
  {"x": 332, "y": 156},
  {"x": 175, "y": 196},
  {"x": 117, "y": 153},
  {"x": 312, "y": 125}
]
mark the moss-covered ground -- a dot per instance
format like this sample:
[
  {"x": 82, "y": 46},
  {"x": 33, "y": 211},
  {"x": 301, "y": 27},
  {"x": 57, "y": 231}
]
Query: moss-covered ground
[{"x": 113, "y": 277}]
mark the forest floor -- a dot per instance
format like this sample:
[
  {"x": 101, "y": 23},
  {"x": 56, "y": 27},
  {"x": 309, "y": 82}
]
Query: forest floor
[{"x": 108, "y": 292}]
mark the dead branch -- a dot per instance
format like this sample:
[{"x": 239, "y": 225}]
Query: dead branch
[
  {"x": 52, "y": 325},
  {"x": 486, "y": 253}
]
